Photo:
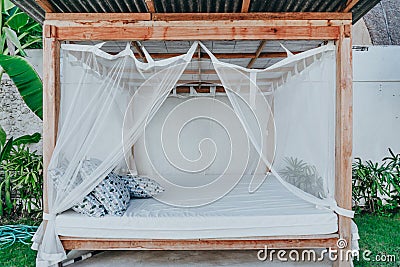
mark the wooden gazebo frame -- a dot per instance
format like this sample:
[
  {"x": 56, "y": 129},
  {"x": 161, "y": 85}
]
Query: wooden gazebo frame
[{"x": 207, "y": 26}]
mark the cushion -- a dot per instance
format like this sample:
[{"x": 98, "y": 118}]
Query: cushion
[
  {"x": 142, "y": 187},
  {"x": 89, "y": 205},
  {"x": 112, "y": 192}
]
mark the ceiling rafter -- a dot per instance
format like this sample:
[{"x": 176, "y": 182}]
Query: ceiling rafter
[
  {"x": 139, "y": 50},
  {"x": 150, "y": 6},
  {"x": 350, "y": 4},
  {"x": 245, "y": 6},
  {"x": 228, "y": 55},
  {"x": 45, "y": 5},
  {"x": 257, "y": 54}
]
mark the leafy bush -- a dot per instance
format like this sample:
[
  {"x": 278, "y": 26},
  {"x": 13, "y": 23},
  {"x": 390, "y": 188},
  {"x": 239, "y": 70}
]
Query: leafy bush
[
  {"x": 376, "y": 186},
  {"x": 20, "y": 176},
  {"x": 25, "y": 171},
  {"x": 19, "y": 32}
]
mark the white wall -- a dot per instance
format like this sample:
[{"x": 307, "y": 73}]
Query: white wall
[{"x": 376, "y": 105}]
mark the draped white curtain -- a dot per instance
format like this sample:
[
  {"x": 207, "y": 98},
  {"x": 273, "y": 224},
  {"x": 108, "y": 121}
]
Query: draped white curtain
[
  {"x": 91, "y": 124},
  {"x": 292, "y": 104},
  {"x": 301, "y": 90}
]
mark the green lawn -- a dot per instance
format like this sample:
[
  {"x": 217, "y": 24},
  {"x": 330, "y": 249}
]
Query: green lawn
[
  {"x": 380, "y": 235},
  {"x": 17, "y": 255}
]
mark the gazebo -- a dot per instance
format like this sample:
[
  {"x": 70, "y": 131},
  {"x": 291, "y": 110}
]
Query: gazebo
[{"x": 244, "y": 32}]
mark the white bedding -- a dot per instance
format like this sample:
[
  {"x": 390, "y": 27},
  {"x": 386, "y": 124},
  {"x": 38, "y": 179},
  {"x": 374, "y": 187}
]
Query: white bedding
[{"x": 271, "y": 211}]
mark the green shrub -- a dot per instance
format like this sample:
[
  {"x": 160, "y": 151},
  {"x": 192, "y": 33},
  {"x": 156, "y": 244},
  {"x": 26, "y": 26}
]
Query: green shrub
[
  {"x": 20, "y": 176},
  {"x": 376, "y": 186},
  {"x": 25, "y": 170}
]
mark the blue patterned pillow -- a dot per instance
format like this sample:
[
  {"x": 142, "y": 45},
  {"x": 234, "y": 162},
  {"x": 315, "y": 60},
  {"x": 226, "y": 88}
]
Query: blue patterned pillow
[
  {"x": 112, "y": 192},
  {"x": 89, "y": 205},
  {"x": 142, "y": 187}
]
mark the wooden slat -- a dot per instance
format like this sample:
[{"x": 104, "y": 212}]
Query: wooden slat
[
  {"x": 45, "y": 5},
  {"x": 265, "y": 80},
  {"x": 257, "y": 54},
  {"x": 228, "y": 55},
  {"x": 344, "y": 132},
  {"x": 204, "y": 88},
  {"x": 199, "y": 244},
  {"x": 98, "y": 16},
  {"x": 350, "y": 4},
  {"x": 139, "y": 50},
  {"x": 150, "y": 6},
  {"x": 245, "y": 6},
  {"x": 193, "y": 32},
  {"x": 200, "y": 16},
  {"x": 51, "y": 103},
  {"x": 252, "y": 16},
  {"x": 203, "y": 71},
  {"x": 216, "y": 23}
]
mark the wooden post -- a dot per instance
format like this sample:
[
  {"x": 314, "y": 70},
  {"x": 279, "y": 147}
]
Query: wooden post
[
  {"x": 344, "y": 132},
  {"x": 51, "y": 100}
]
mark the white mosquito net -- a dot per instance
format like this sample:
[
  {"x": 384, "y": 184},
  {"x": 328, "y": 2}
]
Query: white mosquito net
[{"x": 286, "y": 113}]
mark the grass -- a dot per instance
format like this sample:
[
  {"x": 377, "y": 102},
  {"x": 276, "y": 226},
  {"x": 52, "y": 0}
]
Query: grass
[
  {"x": 18, "y": 255},
  {"x": 380, "y": 235}
]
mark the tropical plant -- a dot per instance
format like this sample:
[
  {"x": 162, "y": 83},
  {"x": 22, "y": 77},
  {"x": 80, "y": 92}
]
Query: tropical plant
[
  {"x": 18, "y": 32},
  {"x": 376, "y": 186},
  {"x": 304, "y": 176},
  {"x": 10, "y": 150},
  {"x": 26, "y": 80},
  {"x": 24, "y": 169}
]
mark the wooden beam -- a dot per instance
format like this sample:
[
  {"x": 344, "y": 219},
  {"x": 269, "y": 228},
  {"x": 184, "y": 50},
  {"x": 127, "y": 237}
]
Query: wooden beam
[
  {"x": 265, "y": 80},
  {"x": 198, "y": 81},
  {"x": 199, "y": 65},
  {"x": 317, "y": 241},
  {"x": 228, "y": 55},
  {"x": 252, "y": 16},
  {"x": 45, "y": 5},
  {"x": 98, "y": 16},
  {"x": 344, "y": 132},
  {"x": 257, "y": 54},
  {"x": 51, "y": 104},
  {"x": 349, "y": 5},
  {"x": 191, "y": 30},
  {"x": 150, "y": 6},
  {"x": 202, "y": 72},
  {"x": 324, "y": 16},
  {"x": 139, "y": 50},
  {"x": 245, "y": 6},
  {"x": 204, "y": 88}
]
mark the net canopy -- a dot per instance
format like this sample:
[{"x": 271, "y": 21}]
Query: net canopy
[{"x": 279, "y": 121}]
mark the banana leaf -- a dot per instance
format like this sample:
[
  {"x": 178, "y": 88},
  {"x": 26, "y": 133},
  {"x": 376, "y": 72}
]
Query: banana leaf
[
  {"x": 3, "y": 137},
  {"x": 27, "y": 139},
  {"x": 26, "y": 80},
  {"x": 5, "y": 153}
]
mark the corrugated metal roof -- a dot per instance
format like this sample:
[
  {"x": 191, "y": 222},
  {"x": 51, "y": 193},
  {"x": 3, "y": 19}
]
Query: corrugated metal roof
[{"x": 185, "y": 6}]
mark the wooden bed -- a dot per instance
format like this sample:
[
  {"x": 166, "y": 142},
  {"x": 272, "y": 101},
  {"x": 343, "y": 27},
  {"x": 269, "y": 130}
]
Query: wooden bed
[{"x": 60, "y": 27}]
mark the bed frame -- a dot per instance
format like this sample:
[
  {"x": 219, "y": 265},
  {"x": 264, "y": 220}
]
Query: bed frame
[{"x": 207, "y": 26}]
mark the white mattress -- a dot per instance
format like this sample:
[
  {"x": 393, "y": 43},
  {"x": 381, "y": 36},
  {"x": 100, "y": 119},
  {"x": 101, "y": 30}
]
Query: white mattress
[{"x": 271, "y": 211}]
